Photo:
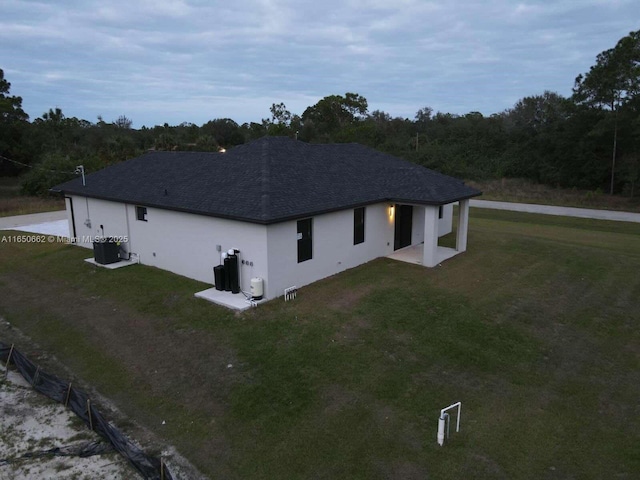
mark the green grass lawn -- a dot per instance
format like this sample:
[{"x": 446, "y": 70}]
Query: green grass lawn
[
  {"x": 534, "y": 329},
  {"x": 525, "y": 191}
]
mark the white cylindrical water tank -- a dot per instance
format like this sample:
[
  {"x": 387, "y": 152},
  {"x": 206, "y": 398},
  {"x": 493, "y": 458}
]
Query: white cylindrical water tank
[{"x": 257, "y": 288}]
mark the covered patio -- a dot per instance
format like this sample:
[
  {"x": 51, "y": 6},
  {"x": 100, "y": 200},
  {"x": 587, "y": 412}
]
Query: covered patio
[{"x": 429, "y": 253}]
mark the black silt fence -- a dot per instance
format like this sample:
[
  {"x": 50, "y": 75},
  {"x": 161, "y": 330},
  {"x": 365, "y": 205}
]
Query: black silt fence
[{"x": 151, "y": 468}]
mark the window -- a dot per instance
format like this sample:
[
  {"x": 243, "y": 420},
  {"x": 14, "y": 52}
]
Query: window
[
  {"x": 440, "y": 210},
  {"x": 358, "y": 225},
  {"x": 141, "y": 213},
  {"x": 305, "y": 240}
]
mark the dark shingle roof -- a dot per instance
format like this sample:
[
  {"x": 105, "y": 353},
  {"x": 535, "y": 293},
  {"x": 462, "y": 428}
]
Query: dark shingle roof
[{"x": 269, "y": 180}]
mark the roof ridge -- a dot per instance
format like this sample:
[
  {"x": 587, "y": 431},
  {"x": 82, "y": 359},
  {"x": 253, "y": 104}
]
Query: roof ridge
[{"x": 265, "y": 172}]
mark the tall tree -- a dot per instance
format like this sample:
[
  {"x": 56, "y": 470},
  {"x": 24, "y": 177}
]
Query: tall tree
[
  {"x": 123, "y": 122},
  {"x": 423, "y": 115},
  {"x": 335, "y": 112},
  {"x": 280, "y": 114},
  {"x": 53, "y": 127},
  {"x": 539, "y": 111},
  {"x": 13, "y": 121},
  {"x": 225, "y": 131},
  {"x": 611, "y": 83},
  {"x": 10, "y": 105},
  {"x": 280, "y": 120}
]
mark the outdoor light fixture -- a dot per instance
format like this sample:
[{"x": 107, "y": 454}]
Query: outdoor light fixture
[
  {"x": 80, "y": 171},
  {"x": 391, "y": 211}
]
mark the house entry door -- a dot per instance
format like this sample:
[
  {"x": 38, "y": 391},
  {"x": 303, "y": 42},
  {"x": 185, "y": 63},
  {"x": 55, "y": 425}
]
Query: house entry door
[
  {"x": 305, "y": 240},
  {"x": 403, "y": 225}
]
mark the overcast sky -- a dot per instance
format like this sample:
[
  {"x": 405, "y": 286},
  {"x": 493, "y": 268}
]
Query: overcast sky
[{"x": 161, "y": 61}]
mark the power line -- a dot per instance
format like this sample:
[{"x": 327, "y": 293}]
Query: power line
[{"x": 2, "y": 157}]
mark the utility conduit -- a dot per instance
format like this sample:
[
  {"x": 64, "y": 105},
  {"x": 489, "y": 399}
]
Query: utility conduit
[{"x": 445, "y": 417}]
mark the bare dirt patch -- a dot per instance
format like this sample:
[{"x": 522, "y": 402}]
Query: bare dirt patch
[
  {"x": 348, "y": 298},
  {"x": 403, "y": 470},
  {"x": 351, "y": 332},
  {"x": 30, "y": 425},
  {"x": 337, "y": 398}
]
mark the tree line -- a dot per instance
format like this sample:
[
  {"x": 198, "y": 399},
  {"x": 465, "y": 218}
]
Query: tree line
[{"x": 590, "y": 140}]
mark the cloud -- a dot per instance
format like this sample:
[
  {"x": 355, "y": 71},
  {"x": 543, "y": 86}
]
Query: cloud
[{"x": 173, "y": 61}]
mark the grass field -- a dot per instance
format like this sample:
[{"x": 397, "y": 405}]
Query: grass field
[
  {"x": 524, "y": 191},
  {"x": 12, "y": 203},
  {"x": 534, "y": 329}
]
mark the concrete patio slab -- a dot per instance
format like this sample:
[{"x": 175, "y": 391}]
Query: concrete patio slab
[
  {"x": 227, "y": 299},
  {"x": 413, "y": 254},
  {"x": 111, "y": 266}
]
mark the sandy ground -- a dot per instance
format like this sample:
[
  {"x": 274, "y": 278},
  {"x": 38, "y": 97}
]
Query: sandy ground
[{"x": 30, "y": 423}]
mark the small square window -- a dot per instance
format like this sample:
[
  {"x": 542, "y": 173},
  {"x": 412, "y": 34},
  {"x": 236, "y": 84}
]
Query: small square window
[{"x": 141, "y": 213}]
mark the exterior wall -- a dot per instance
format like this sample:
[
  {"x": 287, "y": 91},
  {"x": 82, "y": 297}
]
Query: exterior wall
[
  {"x": 104, "y": 219},
  {"x": 333, "y": 248},
  {"x": 417, "y": 225},
  {"x": 182, "y": 243},
  {"x": 185, "y": 243},
  {"x": 445, "y": 224}
]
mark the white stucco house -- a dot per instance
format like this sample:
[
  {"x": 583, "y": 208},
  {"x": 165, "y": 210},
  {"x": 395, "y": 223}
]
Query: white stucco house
[{"x": 297, "y": 212}]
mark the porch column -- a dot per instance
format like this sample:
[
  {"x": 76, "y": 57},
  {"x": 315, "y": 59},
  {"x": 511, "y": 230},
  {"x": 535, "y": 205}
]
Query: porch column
[
  {"x": 463, "y": 226},
  {"x": 430, "y": 247}
]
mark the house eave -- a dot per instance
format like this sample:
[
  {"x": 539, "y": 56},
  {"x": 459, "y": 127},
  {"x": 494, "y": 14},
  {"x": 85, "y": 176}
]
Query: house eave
[
  {"x": 407, "y": 200},
  {"x": 268, "y": 221}
]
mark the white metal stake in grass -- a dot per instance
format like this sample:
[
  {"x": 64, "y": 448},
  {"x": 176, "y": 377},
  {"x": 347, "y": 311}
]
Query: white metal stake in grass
[{"x": 445, "y": 416}]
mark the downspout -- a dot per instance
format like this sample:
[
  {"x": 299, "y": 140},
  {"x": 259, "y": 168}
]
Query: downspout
[
  {"x": 87, "y": 222},
  {"x": 126, "y": 215}
]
